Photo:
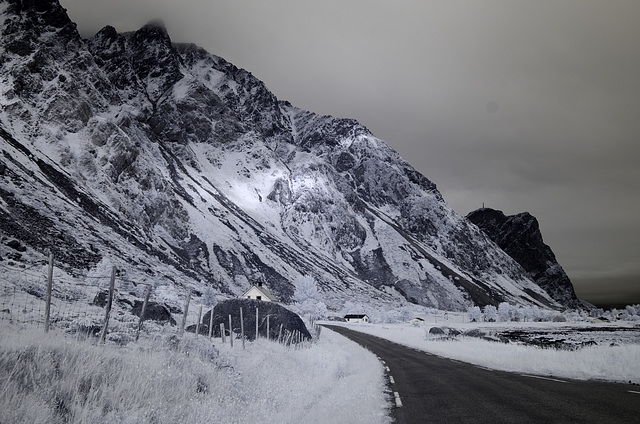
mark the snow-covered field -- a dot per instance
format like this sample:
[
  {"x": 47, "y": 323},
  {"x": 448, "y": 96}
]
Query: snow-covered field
[
  {"x": 614, "y": 356},
  {"x": 162, "y": 378},
  {"x": 49, "y": 378}
]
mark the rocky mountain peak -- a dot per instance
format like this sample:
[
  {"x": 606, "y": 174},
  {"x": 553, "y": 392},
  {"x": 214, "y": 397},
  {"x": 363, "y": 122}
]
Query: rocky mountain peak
[
  {"x": 520, "y": 237},
  {"x": 49, "y": 75},
  {"x": 44, "y": 13},
  {"x": 30, "y": 23},
  {"x": 152, "y": 37},
  {"x": 156, "y": 29}
]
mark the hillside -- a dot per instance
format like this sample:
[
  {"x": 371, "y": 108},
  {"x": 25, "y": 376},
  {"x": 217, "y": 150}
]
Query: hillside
[{"x": 181, "y": 169}]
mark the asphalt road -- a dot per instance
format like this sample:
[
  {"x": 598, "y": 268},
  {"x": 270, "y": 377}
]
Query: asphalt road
[{"x": 438, "y": 390}]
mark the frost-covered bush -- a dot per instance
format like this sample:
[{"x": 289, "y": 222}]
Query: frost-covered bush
[
  {"x": 475, "y": 315},
  {"x": 504, "y": 312},
  {"x": 611, "y": 315},
  {"x": 490, "y": 313},
  {"x": 531, "y": 313},
  {"x": 630, "y": 313},
  {"x": 405, "y": 314},
  {"x": 507, "y": 312},
  {"x": 209, "y": 297},
  {"x": 572, "y": 315},
  {"x": 307, "y": 299},
  {"x": 516, "y": 314}
]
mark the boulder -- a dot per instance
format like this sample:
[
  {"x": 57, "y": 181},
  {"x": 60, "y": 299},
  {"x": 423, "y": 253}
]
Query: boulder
[
  {"x": 203, "y": 330},
  {"x": 100, "y": 299},
  {"x": 16, "y": 245},
  {"x": 444, "y": 330},
  {"x": 436, "y": 331},
  {"x": 474, "y": 332},
  {"x": 154, "y": 311}
]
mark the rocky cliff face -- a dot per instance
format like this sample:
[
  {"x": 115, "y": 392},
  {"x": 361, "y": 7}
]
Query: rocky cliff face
[
  {"x": 185, "y": 171},
  {"x": 519, "y": 235}
]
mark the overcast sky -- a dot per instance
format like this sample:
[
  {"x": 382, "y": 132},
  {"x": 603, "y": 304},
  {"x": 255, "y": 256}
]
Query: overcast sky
[{"x": 520, "y": 105}]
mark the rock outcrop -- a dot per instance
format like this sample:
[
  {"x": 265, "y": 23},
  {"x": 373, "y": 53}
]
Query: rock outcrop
[{"x": 520, "y": 237}]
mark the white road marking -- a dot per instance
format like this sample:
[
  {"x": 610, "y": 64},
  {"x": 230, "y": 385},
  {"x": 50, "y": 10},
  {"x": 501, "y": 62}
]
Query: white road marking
[
  {"x": 398, "y": 401},
  {"x": 543, "y": 378},
  {"x": 392, "y": 380},
  {"x": 633, "y": 391},
  {"x": 387, "y": 368}
]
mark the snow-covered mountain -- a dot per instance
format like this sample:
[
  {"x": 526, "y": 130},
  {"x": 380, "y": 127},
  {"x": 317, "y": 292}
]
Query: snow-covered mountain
[{"x": 180, "y": 168}]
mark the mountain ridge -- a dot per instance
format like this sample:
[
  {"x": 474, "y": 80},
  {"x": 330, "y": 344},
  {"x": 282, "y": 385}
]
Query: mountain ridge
[{"x": 179, "y": 166}]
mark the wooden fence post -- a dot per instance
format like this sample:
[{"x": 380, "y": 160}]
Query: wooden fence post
[
  {"x": 256, "y": 323},
  {"x": 230, "y": 331},
  {"x": 186, "y": 311},
  {"x": 198, "y": 323},
  {"x": 222, "y": 332},
  {"x": 211, "y": 324},
  {"x": 47, "y": 309},
  {"x": 109, "y": 303},
  {"x": 144, "y": 310},
  {"x": 242, "y": 328}
]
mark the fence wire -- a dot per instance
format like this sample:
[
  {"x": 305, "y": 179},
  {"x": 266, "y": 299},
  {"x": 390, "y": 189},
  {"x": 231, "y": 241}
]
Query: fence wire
[
  {"x": 23, "y": 299},
  {"x": 77, "y": 305}
]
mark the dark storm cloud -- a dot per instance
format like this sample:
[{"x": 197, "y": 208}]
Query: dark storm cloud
[{"x": 522, "y": 105}]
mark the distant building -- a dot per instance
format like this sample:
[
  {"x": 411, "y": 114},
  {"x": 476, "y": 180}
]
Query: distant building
[
  {"x": 356, "y": 318},
  {"x": 259, "y": 292}
]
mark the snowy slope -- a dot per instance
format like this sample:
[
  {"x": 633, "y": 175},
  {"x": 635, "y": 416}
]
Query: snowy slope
[{"x": 171, "y": 162}]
